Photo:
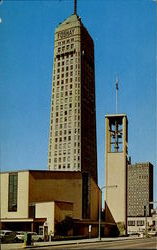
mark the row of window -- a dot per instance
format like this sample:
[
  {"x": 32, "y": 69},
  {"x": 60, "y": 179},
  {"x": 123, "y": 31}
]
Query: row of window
[
  {"x": 64, "y": 145},
  {"x": 68, "y": 119},
  {"x": 65, "y": 47},
  {"x": 66, "y": 75},
  {"x": 134, "y": 223},
  {"x": 63, "y": 160},
  {"x": 64, "y": 166},
  {"x": 67, "y": 92},
  {"x": 64, "y": 66},
  {"x": 65, "y": 112},
  {"x": 67, "y": 106},
  {"x": 66, "y": 41},
  {"x": 61, "y": 110},
  {"x": 66, "y": 159},
  {"x": 65, "y": 82},
  {"x": 66, "y": 56},
  {"x": 140, "y": 176},
  {"x": 65, "y": 132},
  {"x": 65, "y": 125},
  {"x": 63, "y": 152},
  {"x": 64, "y": 139},
  {"x": 62, "y": 69},
  {"x": 64, "y": 63},
  {"x": 65, "y": 99},
  {"x": 66, "y": 60}
]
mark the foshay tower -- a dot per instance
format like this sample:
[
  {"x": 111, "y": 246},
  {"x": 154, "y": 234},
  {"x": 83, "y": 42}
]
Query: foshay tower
[{"x": 72, "y": 137}]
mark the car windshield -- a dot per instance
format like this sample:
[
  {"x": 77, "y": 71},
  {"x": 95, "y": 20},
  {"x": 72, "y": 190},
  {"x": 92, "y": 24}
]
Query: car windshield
[
  {"x": 4, "y": 232},
  {"x": 1, "y": 233},
  {"x": 7, "y": 233}
]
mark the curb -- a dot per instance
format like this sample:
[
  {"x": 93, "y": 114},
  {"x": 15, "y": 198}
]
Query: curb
[{"x": 61, "y": 243}]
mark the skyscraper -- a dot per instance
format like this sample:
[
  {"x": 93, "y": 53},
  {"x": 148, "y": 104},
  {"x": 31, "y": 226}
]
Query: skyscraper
[
  {"x": 72, "y": 137},
  {"x": 140, "y": 189}
]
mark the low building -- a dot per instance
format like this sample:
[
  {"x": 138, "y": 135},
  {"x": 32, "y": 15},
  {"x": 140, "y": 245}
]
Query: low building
[
  {"x": 32, "y": 200},
  {"x": 138, "y": 224}
]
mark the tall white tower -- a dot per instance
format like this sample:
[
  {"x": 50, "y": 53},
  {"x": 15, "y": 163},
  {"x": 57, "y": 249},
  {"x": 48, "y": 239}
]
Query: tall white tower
[{"x": 116, "y": 170}]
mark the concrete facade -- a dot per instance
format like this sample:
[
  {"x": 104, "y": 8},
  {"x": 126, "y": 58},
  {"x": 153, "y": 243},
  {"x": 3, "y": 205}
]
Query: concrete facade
[
  {"x": 54, "y": 212},
  {"x": 140, "y": 189},
  {"x": 22, "y": 196},
  {"x": 72, "y": 137},
  {"x": 45, "y": 198},
  {"x": 116, "y": 170}
]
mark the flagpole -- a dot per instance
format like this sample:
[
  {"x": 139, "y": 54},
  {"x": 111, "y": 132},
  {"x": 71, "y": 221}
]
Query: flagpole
[
  {"x": 75, "y": 6},
  {"x": 117, "y": 95}
]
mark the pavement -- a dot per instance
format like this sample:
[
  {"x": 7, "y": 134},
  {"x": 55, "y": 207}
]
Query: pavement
[{"x": 67, "y": 242}]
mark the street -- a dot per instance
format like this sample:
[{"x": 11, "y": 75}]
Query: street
[
  {"x": 150, "y": 243},
  {"x": 143, "y": 243}
]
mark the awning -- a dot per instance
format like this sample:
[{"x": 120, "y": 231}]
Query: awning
[{"x": 23, "y": 220}]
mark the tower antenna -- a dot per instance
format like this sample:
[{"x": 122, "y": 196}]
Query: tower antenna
[
  {"x": 75, "y": 6},
  {"x": 117, "y": 88}
]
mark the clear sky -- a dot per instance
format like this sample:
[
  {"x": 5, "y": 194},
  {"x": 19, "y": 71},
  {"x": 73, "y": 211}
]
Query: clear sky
[{"x": 124, "y": 33}]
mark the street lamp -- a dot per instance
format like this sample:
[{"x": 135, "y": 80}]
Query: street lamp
[
  {"x": 145, "y": 214},
  {"x": 100, "y": 205}
]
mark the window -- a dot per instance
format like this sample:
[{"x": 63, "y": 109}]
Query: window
[
  {"x": 140, "y": 223},
  {"x": 131, "y": 223},
  {"x": 12, "y": 192}
]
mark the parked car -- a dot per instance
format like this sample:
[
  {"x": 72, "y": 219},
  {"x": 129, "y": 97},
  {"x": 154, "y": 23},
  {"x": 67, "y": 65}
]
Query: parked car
[
  {"x": 152, "y": 233},
  {"x": 7, "y": 236},
  {"x": 20, "y": 236},
  {"x": 35, "y": 237}
]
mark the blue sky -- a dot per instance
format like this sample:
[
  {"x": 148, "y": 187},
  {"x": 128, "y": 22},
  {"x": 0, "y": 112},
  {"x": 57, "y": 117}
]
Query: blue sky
[{"x": 125, "y": 44}]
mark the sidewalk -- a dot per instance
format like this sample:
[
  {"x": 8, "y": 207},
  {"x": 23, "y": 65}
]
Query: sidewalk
[{"x": 67, "y": 242}]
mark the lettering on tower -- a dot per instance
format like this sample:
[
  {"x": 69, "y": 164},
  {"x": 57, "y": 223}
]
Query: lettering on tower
[{"x": 66, "y": 33}]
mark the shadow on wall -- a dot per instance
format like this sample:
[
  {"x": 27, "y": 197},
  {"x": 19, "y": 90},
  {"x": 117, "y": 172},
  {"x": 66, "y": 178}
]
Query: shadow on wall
[{"x": 111, "y": 228}]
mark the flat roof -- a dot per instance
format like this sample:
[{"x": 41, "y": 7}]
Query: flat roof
[
  {"x": 56, "y": 201},
  {"x": 115, "y": 115},
  {"x": 40, "y": 170}
]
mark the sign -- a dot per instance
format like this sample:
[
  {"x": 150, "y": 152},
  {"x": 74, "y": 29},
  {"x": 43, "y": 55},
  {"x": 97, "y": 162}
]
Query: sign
[
  {"x": 66, "y": 33},
  {"x": 90, "y": 229}
]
